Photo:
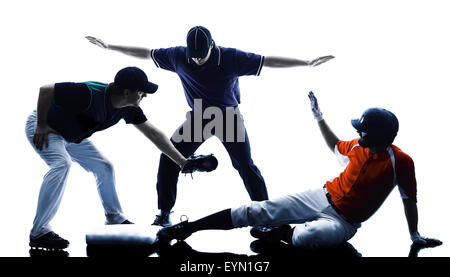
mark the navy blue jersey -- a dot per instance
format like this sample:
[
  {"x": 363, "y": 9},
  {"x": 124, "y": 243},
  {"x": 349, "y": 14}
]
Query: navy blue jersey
[
  {"x": 215, "y": 82},
  {"x": 81, "y": 109}
]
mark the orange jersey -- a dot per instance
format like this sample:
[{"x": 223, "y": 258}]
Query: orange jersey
[{"x": 369, "y": 178}]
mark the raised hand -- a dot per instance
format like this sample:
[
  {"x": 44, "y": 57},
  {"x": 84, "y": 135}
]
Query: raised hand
[
  {"x": 315, "y": 106},
  {"x": 98, "y": 42},
  {"x": 320, "y": 60}
]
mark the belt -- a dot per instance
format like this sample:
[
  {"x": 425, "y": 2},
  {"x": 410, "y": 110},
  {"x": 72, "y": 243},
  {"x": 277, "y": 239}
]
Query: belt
[{"x": 330, "y": 200}]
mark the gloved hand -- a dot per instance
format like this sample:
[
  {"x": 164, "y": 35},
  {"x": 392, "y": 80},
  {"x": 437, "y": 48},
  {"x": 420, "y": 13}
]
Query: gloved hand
[
  {"x": 315, "y": 106},
  {"x": 201, "y": 163}
]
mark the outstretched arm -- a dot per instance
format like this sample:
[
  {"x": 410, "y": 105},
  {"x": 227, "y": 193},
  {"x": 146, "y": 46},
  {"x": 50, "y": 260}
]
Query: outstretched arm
[
  {"x": 330, "y": 138},
  {"x": 162, "y": 142},
  {"x": 280, "y": 62},
  {"x": 138, "y": 52}
]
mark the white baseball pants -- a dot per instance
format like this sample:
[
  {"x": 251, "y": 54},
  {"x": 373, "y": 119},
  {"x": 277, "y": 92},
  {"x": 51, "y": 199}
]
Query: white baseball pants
[
  {"x": 316, "y": 222},
  {"x": 59, "y": 156}
]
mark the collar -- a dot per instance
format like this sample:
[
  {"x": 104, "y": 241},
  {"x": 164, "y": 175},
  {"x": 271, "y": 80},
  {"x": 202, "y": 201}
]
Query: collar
[
  {"x": 215, "y": 58},
  {"x": 380, "y": 155}
]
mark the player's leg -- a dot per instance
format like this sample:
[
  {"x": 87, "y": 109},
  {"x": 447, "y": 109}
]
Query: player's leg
[
  {"x": 325, "y": 231},
  {"x": 168, "y": 173},
  {"x": 218, "y": 221},
  {"x": 241, "y": 158},
  {"x": 52, "y": 188},
  {"x": 294, "y": 208},
  {"x": 298, "y": 207},
  {"x": 92, "y": 160},
  {"x": 319, "y": 225}
]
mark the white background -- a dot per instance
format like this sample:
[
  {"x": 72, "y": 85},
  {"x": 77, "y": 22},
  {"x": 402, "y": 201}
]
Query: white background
[{"x": 392, "y": 54}]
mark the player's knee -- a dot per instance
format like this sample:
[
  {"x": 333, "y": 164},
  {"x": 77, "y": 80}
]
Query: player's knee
[
  {"x": 257, "y": 214},
  {"x": 61, "y": 163},
  {"x": 248, "y": 164},
  {"x": 104, "y": 168},
  {"x": 314, "y": 237},
  {"x": 245, "y": 167},
  {"x": 108, "y": 167},
  {"x": 247, "y": 215}
]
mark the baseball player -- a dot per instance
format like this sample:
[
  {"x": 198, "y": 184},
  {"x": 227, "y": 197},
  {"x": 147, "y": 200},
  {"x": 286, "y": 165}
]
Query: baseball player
[
  {"x": 210, "y": 73},
  {"x": 67, "y": 114},
  {"x": 329, "y": 215}
]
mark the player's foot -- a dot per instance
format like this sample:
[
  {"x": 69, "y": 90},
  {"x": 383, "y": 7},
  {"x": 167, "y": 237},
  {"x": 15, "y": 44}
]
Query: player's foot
[
  {"x": 127, "y": 222},
  {"x": 273, "y": 234},
  {"x": 50, "y": 240},
  {"x": 163, "y": 219},
  {"x": 178, "y": 231}
]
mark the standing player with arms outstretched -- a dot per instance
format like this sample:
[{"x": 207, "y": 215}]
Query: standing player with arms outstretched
[{"x": 209, "y": 73}]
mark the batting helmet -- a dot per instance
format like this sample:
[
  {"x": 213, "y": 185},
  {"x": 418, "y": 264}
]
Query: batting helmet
[{"x": 379, "y": 125}]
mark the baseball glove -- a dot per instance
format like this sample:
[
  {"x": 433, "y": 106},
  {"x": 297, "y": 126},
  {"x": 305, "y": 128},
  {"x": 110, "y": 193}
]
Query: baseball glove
[{"x": 200, "y": 163}]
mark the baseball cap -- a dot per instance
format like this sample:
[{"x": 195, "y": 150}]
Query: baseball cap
[
  {"x": 135, "y": 79},
  {"x": 198, "y": 41},
  {"x": 378, "y": 123}
]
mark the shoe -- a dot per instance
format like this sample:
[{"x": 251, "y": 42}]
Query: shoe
[
  {"x": 177, "y": 231},
  {"x": 163, "y": 219},
  {"x": 273, "y": 234},
  {"x": 50, "y": 240}
]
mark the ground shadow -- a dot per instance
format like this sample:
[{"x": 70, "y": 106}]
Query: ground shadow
[
  {"x": 272, "y": 258},
  {"x": 279, "y": 256},
  {"x": 48, "y": 253},
  {"x": 121, "y": 250}
]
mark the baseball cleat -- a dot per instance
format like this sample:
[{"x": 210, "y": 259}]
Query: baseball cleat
[
  {"x": 282, "y": 233},
  {"x": 178, "y": 231},
  {"x": 50, "y": 241},
  {"x": 163, "y": 219}
]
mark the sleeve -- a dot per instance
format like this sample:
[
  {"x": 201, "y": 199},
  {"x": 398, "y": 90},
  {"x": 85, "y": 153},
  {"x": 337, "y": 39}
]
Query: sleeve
[
  {"x": 165, "y": 58},
  {"x": 342, "y": 149},
  {"x": 406, "y": 177},
  {"x": 73, "y": 97},
  {"x": 134, "y": 115},
  {"x": 248, "y": 63}
]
